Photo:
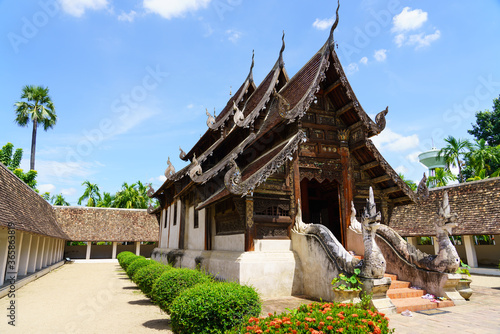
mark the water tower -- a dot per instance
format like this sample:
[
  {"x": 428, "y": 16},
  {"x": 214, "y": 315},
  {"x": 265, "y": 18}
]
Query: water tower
[{"x": 430, "y": 160}]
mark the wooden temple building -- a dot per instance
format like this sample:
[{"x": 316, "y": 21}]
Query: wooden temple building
[{"x": 287, "y": 142}]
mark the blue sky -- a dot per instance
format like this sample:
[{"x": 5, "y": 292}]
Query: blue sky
[{"x": 131, "y": 79}]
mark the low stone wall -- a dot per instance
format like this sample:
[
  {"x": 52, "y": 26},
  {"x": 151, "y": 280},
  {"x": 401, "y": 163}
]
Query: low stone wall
[{"x": 272, "y": 273}]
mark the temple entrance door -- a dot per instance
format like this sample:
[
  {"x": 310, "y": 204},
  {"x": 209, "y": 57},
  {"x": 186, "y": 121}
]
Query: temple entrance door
[{"x": 321, "y": 204}]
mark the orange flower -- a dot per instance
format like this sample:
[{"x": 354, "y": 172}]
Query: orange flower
[
  {"x": 329, "y": 328},
  {"x": 329, "y": 318},
  {"x": 340, "y": 330}
]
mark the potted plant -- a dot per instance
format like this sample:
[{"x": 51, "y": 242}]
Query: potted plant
[
  {"x": 346, "y": 288},
  {"x": 463, "y": 286}
]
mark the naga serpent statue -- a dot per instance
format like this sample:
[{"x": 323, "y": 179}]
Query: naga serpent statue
[
  {"x": 446, "y": 260},
  {"x": 373, "y": 265}
]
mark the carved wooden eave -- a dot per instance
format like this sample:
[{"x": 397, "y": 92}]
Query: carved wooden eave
[
  {"x": 169, "y": 182},
  {"x": 245, "y": 90},
  {"x": 381, "y": 174},
  {"x": 243, "y": 182},
  {"x": 217, "y": 196},
  {"x": 253, "y": 107},
  {"x": 207, "y": 175}
]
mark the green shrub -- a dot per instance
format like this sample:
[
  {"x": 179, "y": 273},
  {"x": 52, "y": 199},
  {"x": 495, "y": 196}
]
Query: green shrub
[
  {"x": 122, "y": 254},
  {"x": 137, "y": 264},
  {"x": 172, "y": 282},
  {"x": 128, "y": 260},
  {"x": 146, "y": 276},
  {"x": 319, "y": 318},
  {"x": 213, "y": 307}
]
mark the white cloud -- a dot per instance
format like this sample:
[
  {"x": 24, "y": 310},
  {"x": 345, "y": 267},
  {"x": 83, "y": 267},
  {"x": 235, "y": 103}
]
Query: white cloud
[
  {"x": 65, "y": 171},
  {"x": 174, "y": 8},
  {"x": 364, "y": 60},
  {"x": 46, "y": 188},
  {"x": 127, "y": 17},
  {"x": 413, "y": 157},
  {"x": 323, "y": 24},
  {"x": 352, "y": 68},
  {"x": 421, "y": 40},
  {"x": 233, "y": 35},
  {"x": 78, "y": 7},
  {"x": 408, "y": 20},
  {"x": 68, "y": 191},
  {"x": 129, "y": 121},
  {"x": 389, "y": 140},
  {"x": 401, "y": 169},
  {"x": 380, "y": 55}
]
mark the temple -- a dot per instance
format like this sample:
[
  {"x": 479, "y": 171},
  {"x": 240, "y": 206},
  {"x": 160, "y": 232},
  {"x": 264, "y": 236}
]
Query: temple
[{"x": 288, "y": 143}]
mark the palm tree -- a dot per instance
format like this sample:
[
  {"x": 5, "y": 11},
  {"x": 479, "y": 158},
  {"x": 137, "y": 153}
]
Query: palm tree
[
  {"x": 410, "y": 183},
  {"x": 91, "y": 194},
  {"x": 483, "y": 156},
  {"x": 440, "y": 178},
  {"x": 453, "y": 151},
  {"x": 38, "y": 109},
  {"x": 132, "y": 196},
  {"x": 106, "y": 201},
  {"x": 59, "y": 200}
]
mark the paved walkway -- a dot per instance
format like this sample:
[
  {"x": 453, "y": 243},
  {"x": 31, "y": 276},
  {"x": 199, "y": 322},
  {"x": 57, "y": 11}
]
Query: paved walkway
[
  {"x": 99, "y": 298},
  {"x": 83, "y": 298}
]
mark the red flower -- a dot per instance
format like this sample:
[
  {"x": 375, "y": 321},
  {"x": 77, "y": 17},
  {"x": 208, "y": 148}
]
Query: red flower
[
  {"x": 354, "y": 315},
  {"x": 329, "y": 318},
  {"x": 329, "y": 328},
  {"x": 340, "y": 330}
]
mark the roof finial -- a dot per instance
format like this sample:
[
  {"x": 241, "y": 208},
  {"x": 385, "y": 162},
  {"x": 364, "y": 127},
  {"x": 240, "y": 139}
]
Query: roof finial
[
  {"x": 330, "y": 39},
  {"x": 230, "y": 92},
  {"x": 282, "y": 49}
]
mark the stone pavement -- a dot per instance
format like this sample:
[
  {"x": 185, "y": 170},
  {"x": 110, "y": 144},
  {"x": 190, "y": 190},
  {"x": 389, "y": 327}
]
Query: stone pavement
[
  {"x": 480, "y": 315},
  {"x": 99, "y": 298}
]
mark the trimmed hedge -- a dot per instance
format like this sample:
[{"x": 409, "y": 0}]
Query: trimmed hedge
[
  {"x": 123, "y": 254},
  {"x": 146, "y": 276},
  {"x": 129, "y": 259},
  {"x": 213, "y": 307},
  {"x": 172, "y": 282},
  {"x": 136, "y": 265}
]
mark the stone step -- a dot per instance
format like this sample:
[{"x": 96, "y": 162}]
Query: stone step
[
  {"x": 404, "y": 293},
  {"x": 396, "y": 284},
  {"x": 418, "y": 304},
  {"x": 392, "y": 276}
]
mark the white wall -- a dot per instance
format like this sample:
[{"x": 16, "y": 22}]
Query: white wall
[
  {"x": 164, "y": 221},
  {"x": 234, "y": 242},
  {"x": 173, "y": 237},
  {"x": 195, "y": 237}
]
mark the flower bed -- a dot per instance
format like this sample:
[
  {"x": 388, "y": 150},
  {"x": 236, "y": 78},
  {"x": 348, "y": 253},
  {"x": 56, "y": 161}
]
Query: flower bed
[{"x": 320, "y": 318}]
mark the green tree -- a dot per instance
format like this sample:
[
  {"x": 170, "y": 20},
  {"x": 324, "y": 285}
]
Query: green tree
[
  {"x": 12, "y": 162},
  {"x": 452, "y": 153},
  {"x": 410, "y": 183},
  {"x": 46, "y": 196},
  {"x": 106, "y": 200},
  {"x": 440, "y": 178},
  {"x": 132, "y": 196},
  {"x": 91, "y": 194},
  {"x": 487, "y": 125},
  {"x": 59, "y": 200},
  {"x": 38, "y": 109}
]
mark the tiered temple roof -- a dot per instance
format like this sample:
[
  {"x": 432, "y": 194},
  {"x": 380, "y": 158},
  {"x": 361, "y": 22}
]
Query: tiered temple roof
[{"x": 271, "y": 122}]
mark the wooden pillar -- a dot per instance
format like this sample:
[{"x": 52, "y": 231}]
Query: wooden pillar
[
  {"x": 470, "y": 250},
  {"x": 412, "y": 241},
  {"x": 296, "y": 185},
  {"x": 435, "y": 241},
  {"x": 4, "y": 251},
  {"x": 182, "y": 225},
  {"x": 89, "y": 249},
  {"x": 346, "y": 182},
  {"x": 34, "y": 254},
  {"x": 25, "y": 255},
  {"x": 137, "y": 248},
  {"x": 250, "y": 226},
  {"x": 41, "y": 253},
  {"x": 113, "y": 253}
]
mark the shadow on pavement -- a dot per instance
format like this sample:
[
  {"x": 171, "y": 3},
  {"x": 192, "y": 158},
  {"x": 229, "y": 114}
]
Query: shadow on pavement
[{"x": 158, "y": 324}]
